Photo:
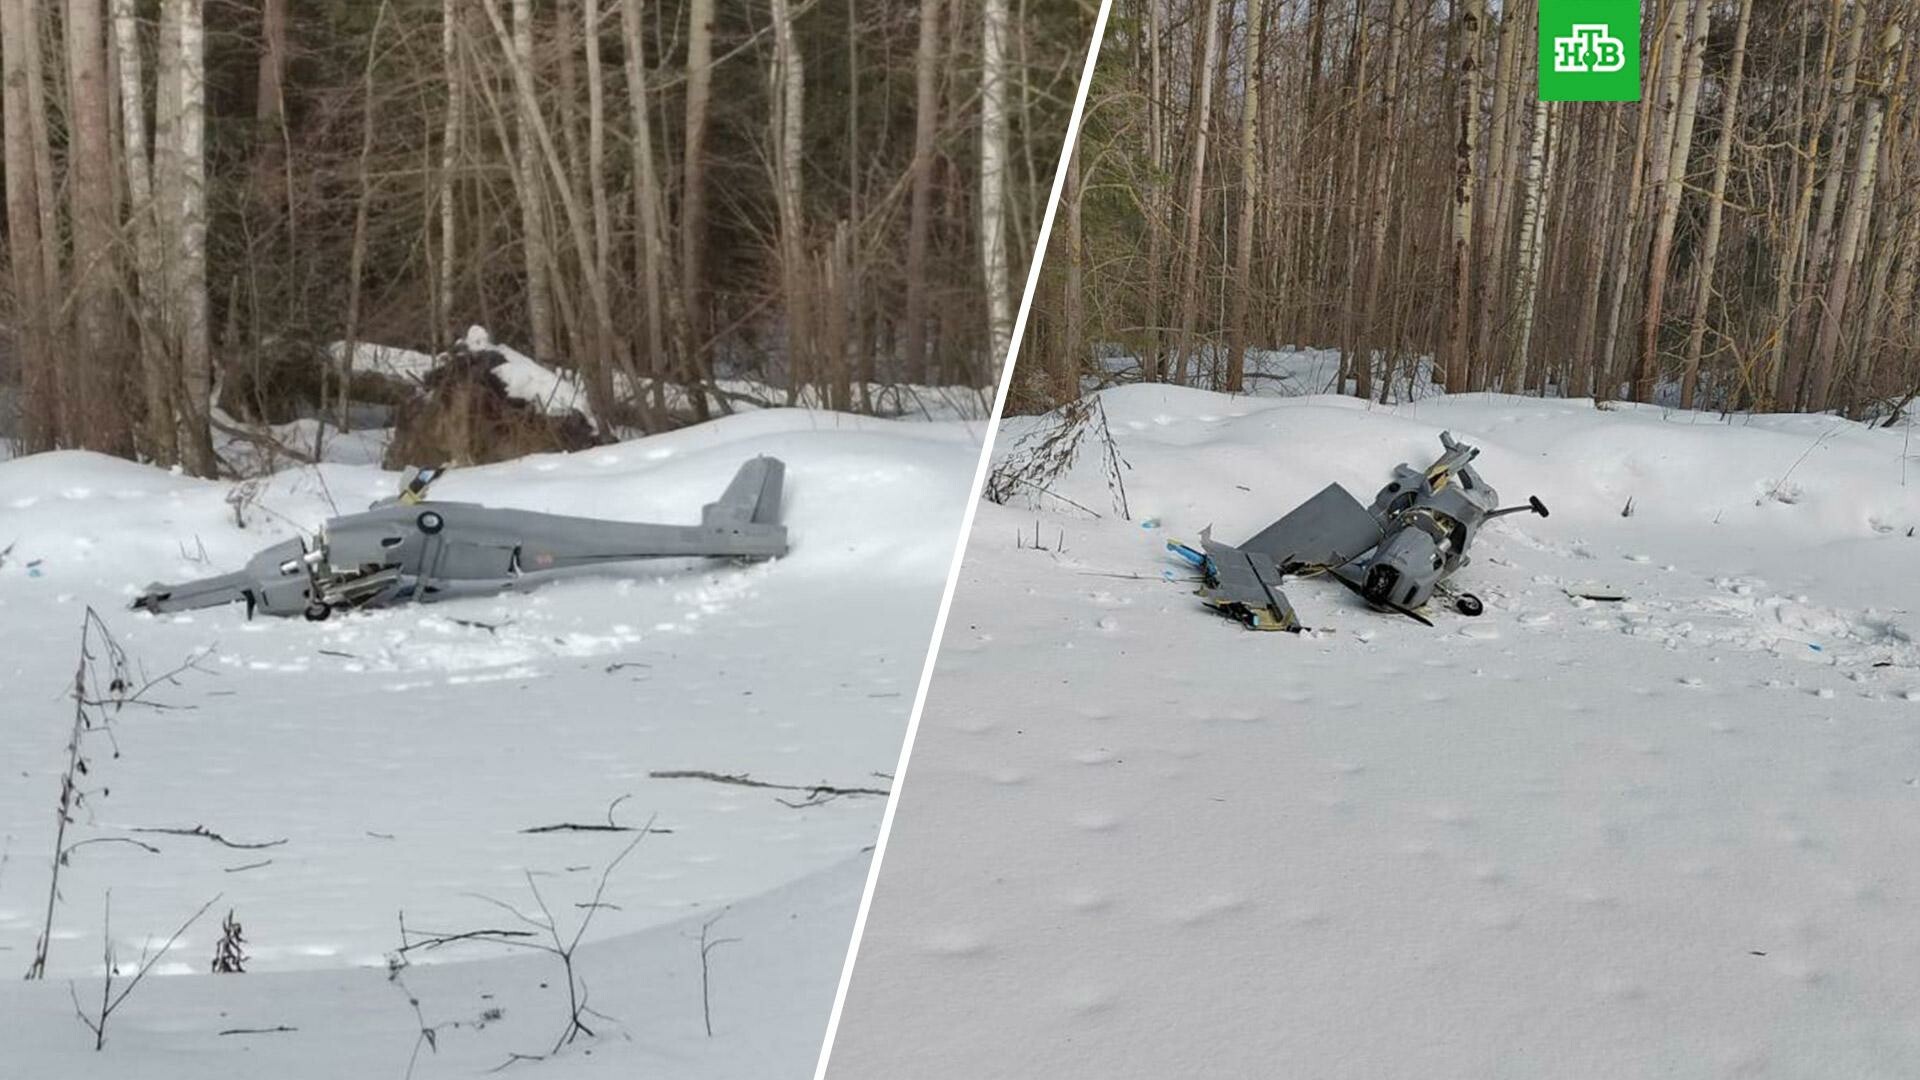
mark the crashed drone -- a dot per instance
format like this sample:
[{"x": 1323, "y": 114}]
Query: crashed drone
[
  {"x": 1396, "y": 554},
  {"x": 408, "y": 547}
]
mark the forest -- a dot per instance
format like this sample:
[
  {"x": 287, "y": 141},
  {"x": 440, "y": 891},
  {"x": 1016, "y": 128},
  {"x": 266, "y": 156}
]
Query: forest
[
  {"x": 1379, "y": 177},
  {"x": 210, "y": 204}
]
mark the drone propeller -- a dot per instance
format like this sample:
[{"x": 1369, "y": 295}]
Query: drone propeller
[{"x": 1360, "y": 591}]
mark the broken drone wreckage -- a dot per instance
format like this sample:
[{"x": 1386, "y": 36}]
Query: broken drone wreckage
[
  {"x": 1396, "y": 554},
  {"x": 408, "y": 547}
]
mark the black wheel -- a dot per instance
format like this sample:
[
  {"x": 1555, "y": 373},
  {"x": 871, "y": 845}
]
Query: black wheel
[
  {"x": 430, "y": 522},
  {"x": 318, "y": 612},
  {"x": 1468, "y": 604}
]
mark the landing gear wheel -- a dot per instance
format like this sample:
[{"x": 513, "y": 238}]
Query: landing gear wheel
[
  {"x": 318, "y": 612},
  {"x": 430, "y": 522},
  {"x": 1468, "y": 604}
]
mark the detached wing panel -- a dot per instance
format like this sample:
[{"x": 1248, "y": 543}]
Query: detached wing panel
[
  {"x": 1330, "y": 529},
  {"x": 1246, "y": 585}
]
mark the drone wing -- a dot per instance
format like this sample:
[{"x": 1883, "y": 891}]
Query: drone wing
[
  {"x": 1330, "y": 529},
  {"x": 1246, "y": 585}
]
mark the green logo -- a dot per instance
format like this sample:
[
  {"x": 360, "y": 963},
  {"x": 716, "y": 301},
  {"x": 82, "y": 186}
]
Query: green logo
[{"x": 1589, "y": 50}]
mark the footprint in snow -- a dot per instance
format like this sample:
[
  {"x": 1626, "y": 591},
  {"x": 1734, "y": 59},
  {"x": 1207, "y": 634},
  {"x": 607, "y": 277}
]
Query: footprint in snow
[
  {"x": 1088, "y": 998},
  {"x": 1087, "y": 901},
  {"x": 1096, "y": 821},
  {"x": 1209, "y": 908},
  {"x": 955, "y": 941}
]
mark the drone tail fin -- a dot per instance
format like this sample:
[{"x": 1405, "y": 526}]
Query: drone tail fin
[{"x": 753, "y": 498}]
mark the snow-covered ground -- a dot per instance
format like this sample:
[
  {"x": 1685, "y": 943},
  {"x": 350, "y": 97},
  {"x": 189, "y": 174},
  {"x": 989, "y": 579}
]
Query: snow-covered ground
[
  {"x": 400, "y": 754},
  {"x": 1673, "y": 836}
]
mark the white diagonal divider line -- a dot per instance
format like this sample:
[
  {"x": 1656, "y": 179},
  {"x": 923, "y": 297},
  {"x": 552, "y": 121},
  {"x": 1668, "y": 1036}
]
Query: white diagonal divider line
[{"x": 960, "y": 543}]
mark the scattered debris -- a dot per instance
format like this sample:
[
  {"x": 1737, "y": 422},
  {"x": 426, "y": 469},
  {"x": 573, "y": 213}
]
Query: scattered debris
[
  {"x": 1402, "y": 548},
  {"x": 816, "y": 793},
  {"x": 208, "y": 834}
]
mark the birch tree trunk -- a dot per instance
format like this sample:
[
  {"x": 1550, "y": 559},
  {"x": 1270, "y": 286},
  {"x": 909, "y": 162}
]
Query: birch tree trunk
[
  {"x": 788, "y": 91},
  {"x": 1379, "y": 208},
  {"x": 46, "y": 191},
  {"x": 651, "y": 209},
  {"x": 98, "y": 409},
  {"x": 598, "y": 366},
  {"x": 693, "y": 197},
  {"x": 597, "y": 146},
  {"x": 1459, "y": 360},
  {"x": 1532, "y": 226},
  {"x": 1629, "y": 229},
  {"x": 1716, "y": 207},
  {"x": 1183, "y": 358},
  {"x": 926, "y": 115},
  {"x": 1154, "y": 360},
  {"x": 1585, "y": 361},
  {"x": 194, "y": 346},
  {"x": 1784, "y": 363},
  {"x": 357, "y": 259},
  {"x": 1249, "y": 203},
  {"x": 450, "y": 126},
  {"x": 40, "y": 397},
  {"x": 1066, "y": 376},
  {"x": 271, "y": 77},
  {"x": 1647, "y": 368},
  {"x": 533, "y": 226},
  {"x": 994, "y": 156},
  {"x": 1859, "y": 201},
  {"x": 1503, "y": 167},
  {"x": 146, "y": 283},
  {"x": 1821, "y": 249}
]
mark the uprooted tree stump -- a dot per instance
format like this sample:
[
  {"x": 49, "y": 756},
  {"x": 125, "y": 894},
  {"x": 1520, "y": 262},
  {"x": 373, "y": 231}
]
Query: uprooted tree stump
[{"x": 464, "y": 416}]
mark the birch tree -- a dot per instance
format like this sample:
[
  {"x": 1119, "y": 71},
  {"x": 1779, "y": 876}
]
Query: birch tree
[
  {"x": 1458, "y": 358},
  {"x": 1249, "y": 203},
  {"x": 926, "y": 118},
  {"x": 1859, "y": 206},
  {"x": 1202, "y": 123},
  {"x": 1716, "y": 208},
  {"x": 40, "y": 398},
  {"x": 1669, "y": 192},
  {"x": 993, "y": 177}
]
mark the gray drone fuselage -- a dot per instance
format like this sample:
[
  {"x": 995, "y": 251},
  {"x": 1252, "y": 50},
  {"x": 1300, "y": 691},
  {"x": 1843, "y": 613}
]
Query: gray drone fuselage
[
  {"x": 428, "y": 550},
  {"x": 1394, "y": 553},
  {"x": 1427, "y": 519}
]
